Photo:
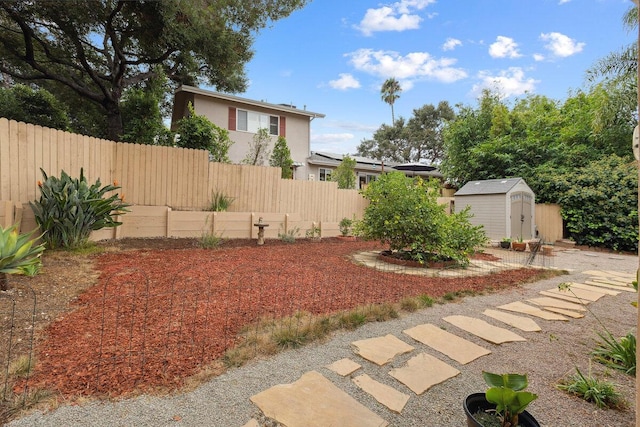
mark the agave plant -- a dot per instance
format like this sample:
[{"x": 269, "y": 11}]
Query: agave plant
[
  {"x": 69, "y": 209},
  {"x": 18, "y": 255}
]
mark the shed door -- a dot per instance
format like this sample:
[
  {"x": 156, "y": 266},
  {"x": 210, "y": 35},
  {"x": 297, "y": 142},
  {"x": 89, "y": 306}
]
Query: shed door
[{"x": 521, "y": 215}]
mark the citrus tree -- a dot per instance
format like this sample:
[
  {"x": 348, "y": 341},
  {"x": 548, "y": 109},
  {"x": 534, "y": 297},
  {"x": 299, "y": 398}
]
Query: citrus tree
[{"x": 404, "y": 213}]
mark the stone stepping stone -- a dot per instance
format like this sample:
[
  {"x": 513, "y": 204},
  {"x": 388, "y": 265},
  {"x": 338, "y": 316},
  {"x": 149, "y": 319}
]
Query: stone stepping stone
[
  {"x": 252, "y": 423},
  {"x": 313, "y": 400},
  {"x": 344, "y": 367},
  {"x": 458, "y": 349},
  {"x": 608, "y": 285},
  {"x": 523, "y": 323},
  {"x": 608, "y": 273},
  {"x": 605, "y": 291},
  {"x": 388, "y": 396},
  {"x": 579, "y": 296},
  {"x": 547, "y": 302},
  {"x": 565, "y": 312},
  {"x": 381, "y": 350},
  {"x": 577, "y": 293},
  {"x": 422, "y": 372},
  {"x": 520, "y": 307},
  {"x": 484, "y": 330},
  {"x": 614, "y": 282}
]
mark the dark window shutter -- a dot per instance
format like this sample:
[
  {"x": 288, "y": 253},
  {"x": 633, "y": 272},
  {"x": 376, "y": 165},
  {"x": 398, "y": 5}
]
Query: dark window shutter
[
  {"x": 232, "y": 118},
  {"x": 283, "y": 126}
]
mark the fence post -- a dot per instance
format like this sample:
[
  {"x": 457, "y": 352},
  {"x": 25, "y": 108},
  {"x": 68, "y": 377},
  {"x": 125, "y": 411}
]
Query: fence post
[
  {"x": 286, "y": 223},
  {"x": 169, "y": 224}
]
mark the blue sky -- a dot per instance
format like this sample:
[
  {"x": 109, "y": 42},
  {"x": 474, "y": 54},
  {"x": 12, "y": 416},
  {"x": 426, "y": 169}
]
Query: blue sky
[{"x": 333, "y": 55}]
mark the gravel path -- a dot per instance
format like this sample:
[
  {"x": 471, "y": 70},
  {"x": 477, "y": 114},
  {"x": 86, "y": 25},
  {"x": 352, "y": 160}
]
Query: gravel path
[{"x": 546, "y": 356}]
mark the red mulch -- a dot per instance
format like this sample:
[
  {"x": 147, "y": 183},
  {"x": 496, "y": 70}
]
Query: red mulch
[{"x": 158, "y": 316}]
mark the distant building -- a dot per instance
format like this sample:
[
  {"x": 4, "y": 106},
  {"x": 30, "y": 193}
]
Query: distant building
[{"x": 243, "y": 117}]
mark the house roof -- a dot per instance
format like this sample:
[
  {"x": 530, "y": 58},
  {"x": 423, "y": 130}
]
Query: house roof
[
  {"x": 489, "y": 186},
  {"x": 236, "y": 99},
  {"x": 365, "y": 163}
]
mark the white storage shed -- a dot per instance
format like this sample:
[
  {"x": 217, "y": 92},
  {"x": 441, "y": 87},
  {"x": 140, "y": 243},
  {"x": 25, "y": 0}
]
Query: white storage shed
[{"x": 505, "y": 207}]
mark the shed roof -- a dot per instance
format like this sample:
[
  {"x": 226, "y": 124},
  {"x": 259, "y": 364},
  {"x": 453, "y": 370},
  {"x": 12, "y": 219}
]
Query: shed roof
[{"x": 489, "y": 186}]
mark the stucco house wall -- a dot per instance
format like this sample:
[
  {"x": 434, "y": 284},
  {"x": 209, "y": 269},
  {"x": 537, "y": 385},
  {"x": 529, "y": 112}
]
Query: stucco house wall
[{"x": 222, "y": 109}]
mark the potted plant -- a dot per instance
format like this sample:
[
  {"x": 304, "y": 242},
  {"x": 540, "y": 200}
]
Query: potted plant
[
  {"x": 503, "y": 404},
  {"x": 519, "y": 246},
  {"x": 534, "y": 245},
  {"x": 505, "y": 243}
]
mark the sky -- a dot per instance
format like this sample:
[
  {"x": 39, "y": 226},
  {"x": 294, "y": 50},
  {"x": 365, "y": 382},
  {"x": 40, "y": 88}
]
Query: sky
[{"x": 332, "y": 56}]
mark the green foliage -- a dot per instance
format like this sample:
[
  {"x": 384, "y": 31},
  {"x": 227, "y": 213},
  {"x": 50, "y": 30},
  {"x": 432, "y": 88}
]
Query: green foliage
[
  {"x": 258, "y": 149},
  {"x": 419, "y": 139},
  {"x": 345, "y": 225},
  {"x": 99, "y": 49},
  {"x": 281, "y": 158},
  {"x": 404, "y": 213},
  {"x": 37, "y": 106},
  {"x": 600, "y": 204},
  {"x": 345, "y": 174},
  {"x": 142, "y": 112},
  {"x": 220, "y": 202},
  {"x": 617, "y": 353},
  {"x": 18, "y": 254},
  {"x": 210, "y": 241},
  {"x": 69, "y": 209},
  {"x": 200, "y": 133},
  {"x": 591, "y": 389},
  {"x": 290, "y": 235},
  {"x": 426, "y": 300},
  {"x": 506, "y": 392},
  {"x": 390, "y": 92},
  {"x": 313, "y": 232}
]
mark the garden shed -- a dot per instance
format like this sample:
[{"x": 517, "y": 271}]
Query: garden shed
[{"x": 505, "y": 207}]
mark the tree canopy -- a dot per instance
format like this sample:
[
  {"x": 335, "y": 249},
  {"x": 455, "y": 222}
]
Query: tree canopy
[
  {"x": 96, "y": 50},
  {"x": 420, "y": 139},
  {"x": 390, "y": 92}
]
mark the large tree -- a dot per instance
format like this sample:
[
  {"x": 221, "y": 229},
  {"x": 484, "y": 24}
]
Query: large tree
[
  {"x": 420, "y": 139},
  {"x": 390, "y": 92},
  {"x": 98, "y": 49}
]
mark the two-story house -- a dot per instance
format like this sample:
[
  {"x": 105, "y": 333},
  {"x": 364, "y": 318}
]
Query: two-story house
[{"x": 243, "y": 117}]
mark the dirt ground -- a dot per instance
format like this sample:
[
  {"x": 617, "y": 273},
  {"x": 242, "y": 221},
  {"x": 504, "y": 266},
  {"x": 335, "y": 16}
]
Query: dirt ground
[{"x": 66, "y": 301}]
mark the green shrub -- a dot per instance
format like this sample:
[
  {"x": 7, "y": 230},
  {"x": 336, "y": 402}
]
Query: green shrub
[
  {"x": 617, "y": 353},
  {"x": 404, "y": 213},
  {"x": 290, "y": 235},
  {"x": 200, "y": 133},
  {"x": 591, "y": 389},
  {"x": 600, "y": 204},
  {"x": 70, "y": 209},
  {"x": 220, "y": 202}
]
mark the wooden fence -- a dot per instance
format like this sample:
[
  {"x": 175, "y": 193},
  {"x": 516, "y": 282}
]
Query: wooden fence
[
  {"x": 182, "y": 179},
  {"x": 549, "y": 222}
]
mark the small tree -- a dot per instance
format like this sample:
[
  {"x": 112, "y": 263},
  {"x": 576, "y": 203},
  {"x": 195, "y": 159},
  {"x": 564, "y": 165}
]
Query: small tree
[
  {"x": 258, "y": 149},
  {"x": 40, "y": 107},
  {"x": 281, "y": 158},
  {"x": 404, "y": 213},
  {"x": 345, "y": 174},
  {"x": 198, "y": 132}
]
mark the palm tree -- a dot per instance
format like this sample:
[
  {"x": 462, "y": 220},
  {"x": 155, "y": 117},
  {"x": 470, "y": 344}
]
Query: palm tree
[{"x": 390, "y": 92}]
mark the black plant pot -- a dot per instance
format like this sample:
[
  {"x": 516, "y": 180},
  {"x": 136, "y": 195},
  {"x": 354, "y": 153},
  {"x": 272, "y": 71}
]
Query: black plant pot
[
  {"x": 505, "y": 245},
  {"x": 477, "y": 402}
]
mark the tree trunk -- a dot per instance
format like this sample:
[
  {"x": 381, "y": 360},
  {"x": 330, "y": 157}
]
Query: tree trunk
[
  {"x": 115, "y": 128},
  {"x": 4, "y": 282}
]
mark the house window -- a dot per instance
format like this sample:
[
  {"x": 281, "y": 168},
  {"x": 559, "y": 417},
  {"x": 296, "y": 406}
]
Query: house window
[
  {"x": 250, "y": 121},
  {"x": 325, "y": 174},
  {"x": 365, "y": 179}
]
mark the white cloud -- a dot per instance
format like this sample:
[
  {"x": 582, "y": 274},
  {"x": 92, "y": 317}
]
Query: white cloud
[
  {"x": 344, "y": 82},
  {"x": 538, "y": 57},
  {"x": 561, "y": 45},
  {"x": 398, "y": 16},
  {"x": 564, "y": 1},
  {"x": 510, "y": 82},
  {"x": 451, "y": 44},
  {"x": 504, "y": 47},
  {"x": 414, "y": 65}
]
